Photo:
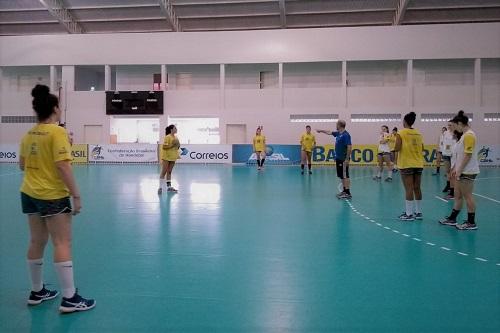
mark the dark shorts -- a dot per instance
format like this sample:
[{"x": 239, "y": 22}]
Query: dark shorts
[
  {"x": 467, "y": 177},
  {"x": 411, "y": 171},
  {"x": 447, "y": 158},
  {"x": 45, "y": 208},
  {"x": 384, "y": 153},
  {"x": 342, "y": 169}
]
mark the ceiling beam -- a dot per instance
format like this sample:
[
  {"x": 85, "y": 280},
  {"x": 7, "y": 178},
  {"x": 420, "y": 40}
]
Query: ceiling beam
[
  {"x": 57, "y": 10},
  {"x": 400, "y": 11},
  {"x": 168, "y": 9},
  {"x": 282, "y": 13}
]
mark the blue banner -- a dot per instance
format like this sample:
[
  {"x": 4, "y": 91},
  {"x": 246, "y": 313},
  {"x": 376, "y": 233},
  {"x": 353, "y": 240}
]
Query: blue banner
[{"x": 275, "y": 154}]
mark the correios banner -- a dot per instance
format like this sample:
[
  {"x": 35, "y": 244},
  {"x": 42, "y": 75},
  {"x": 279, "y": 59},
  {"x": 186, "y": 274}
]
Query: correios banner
[
  {"x": 123, "y": 153},
  {"x": 206, "y": 154},
  {"x": 9, "y": 153}
]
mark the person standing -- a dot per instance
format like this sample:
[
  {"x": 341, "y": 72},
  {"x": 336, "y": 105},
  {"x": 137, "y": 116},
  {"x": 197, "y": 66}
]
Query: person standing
[
  {"x": 384, "y": 154},
  {"x": 343, "y": 148},
  {"x": 169, "y": 155},
  {"x": 410, "y": 147},
  {"x": 47, "y": 190},
  {"x": 439, "y": 157},
  {"x": 464, "y": 171},
  {"x": 307, "y": 143},
  {"x": 259, "y": 147},
  {"x": 446, "y": 152}
]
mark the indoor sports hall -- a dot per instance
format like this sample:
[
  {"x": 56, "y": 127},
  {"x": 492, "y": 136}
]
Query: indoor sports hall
[{"x": 194, "y": 197}]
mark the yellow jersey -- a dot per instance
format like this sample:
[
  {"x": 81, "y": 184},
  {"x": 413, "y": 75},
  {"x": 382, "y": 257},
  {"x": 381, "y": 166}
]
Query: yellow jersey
[
  {"x": 170, "y": 154},
  {"x": 392, "y": 141},
  {"x": 41, "y": 148},
  {"x": 259, "y": 143},
  {"x": 411, "y": 154},
  {"x": 307, "y": 142}
]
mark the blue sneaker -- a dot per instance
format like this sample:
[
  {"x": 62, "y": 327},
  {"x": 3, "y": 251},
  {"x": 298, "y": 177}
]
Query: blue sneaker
[
  {"x": 37, "y": 297},
  {"x": 76, "y": 303}
]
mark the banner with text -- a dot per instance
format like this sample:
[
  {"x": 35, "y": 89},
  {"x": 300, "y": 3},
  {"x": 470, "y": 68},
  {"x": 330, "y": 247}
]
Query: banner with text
[
  {"x": 275, "y": 154},
  {"x": 364, "y": 154},
  {"x": 79, "y": 153},
  {"x": 9, "y": 153},
  {"x": 206, "y": 154},
  {"x": 123, "y": 153}
]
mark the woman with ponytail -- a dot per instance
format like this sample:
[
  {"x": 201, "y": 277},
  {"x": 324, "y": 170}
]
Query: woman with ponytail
[{"x": 48, "y": 184}]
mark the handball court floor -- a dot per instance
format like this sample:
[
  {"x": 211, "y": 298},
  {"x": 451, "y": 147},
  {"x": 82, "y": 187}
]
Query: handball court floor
[{"x": 238, "y": 250}]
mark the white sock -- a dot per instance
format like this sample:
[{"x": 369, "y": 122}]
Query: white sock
[
  {"x": 64, "y": 271},
  {"x": 418, "y": 206},
  {"x": 36, "y": 272},
  {"x": 409, "y": 207},
  {"x": 379, "y": 174},
  {"x": 390, "y": 174}
]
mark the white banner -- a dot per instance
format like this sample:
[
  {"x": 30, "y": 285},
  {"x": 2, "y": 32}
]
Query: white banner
[
  {"x": 125, "y": 152},
  {"x": 206, "y": 154},
  {"x": 9, "y": 153},
  {"x": 489, "y": 155}
]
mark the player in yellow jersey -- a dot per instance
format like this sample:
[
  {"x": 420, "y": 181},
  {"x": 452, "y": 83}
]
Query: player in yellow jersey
[
  {"x": 392, "y": 145},
  {"x": 169, "y": 155},
  {"x": 259, "y": 147},
  {"x": 410, "y": 147},
  {"x": 307, "y": 143},
  {"x": 48, "y": 184}
]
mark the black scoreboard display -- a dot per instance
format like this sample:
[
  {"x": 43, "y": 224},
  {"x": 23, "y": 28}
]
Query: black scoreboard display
[{"x": 134, "y": 102}]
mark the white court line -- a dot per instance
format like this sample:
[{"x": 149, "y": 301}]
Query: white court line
[
  {"x": 488, "y": 178},
  {"x": 395, "y": 231},
  {"x": 463, "y": 254},
  {"x": 437, "y": 197},
  {"x": 480, "y": 259},
  {"x": 417, "y": 239},
  {"x": 431, "y": 244},
  {"x": 379, "y": 224},
  {"x": 445, "y": 248},
  {"x": 387, "y": 228},
  {"x": 498, "y": 264},
  {"x": 367, "y": 218},
  {"x": 485, "y": 197},
  {"x": 373, "y": 221},
  {"x": 406, "y": 235}
]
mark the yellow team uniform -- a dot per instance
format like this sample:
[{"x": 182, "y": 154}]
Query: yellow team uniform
[
  {"x": 392, "y": 141},
  {"x": 41, "y": 147},
  {"x": 170, "y": 154},
  {"x": 307, "y": 142},
  {"x": 411, "y": 153},
  {"x": 259, "y": 143}
]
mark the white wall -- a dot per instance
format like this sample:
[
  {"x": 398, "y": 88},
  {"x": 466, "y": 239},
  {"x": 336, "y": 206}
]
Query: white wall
[{"x": 442, "y": 79}]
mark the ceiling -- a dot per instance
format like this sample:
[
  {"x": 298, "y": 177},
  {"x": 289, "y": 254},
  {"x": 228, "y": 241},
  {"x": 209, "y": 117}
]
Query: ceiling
[{"x": 30, "y": 17}]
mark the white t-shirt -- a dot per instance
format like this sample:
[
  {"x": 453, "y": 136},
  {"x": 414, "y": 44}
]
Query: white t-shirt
[
  {"x": 467, "y": 145},
  {"x": 384, "y": 147},
  {"x": 447, "y": 143}
]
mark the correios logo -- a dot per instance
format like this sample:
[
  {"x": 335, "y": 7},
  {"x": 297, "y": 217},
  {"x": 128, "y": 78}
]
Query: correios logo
[
  {"x": 96, "y": 153},
  {"x": 204, "y": 156},
  {"x": 8, "y": 154}
]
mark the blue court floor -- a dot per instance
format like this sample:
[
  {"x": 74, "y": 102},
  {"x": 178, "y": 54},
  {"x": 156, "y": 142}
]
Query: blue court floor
[{"x": 241, "y": 251}]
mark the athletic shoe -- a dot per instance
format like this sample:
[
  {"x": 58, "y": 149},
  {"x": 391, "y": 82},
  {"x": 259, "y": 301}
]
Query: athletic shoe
[
  {"x": 388, "y": 179},
  {"x": 395, "y": 170},
  {"x": 37, "y": 297},
  {"x": 377, "y": 178},
  {"x": 436, "y": 173},
  {"x": 160, "y": 191},
  {"x": 344, "y": 195},
  {"x": 339, "y": 194},
  {"x": 310, "y": 172},
  {"x": 171, "y": 189},
  {"x": 449, "y": 197},
  {"x": 446, "y": 189},
  {"x": 404, "y": 217},
  {"x": 418, "y": 216},
  {"x": 259, "y": 168},
  {"x": 448, "y": 221},
  {"x": 302, "y": 172},
  {"x": 76, "y": 303},
  {"x": 466, "y": 226}
]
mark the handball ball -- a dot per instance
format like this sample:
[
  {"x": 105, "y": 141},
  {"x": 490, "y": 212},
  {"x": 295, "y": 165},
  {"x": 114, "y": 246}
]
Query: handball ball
[{"x": 269, "y": 151}]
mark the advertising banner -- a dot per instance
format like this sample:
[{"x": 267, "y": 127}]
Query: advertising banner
[
  {"x": 206, "y": 154},
  {"x": 123, "y": 153},
  {"x": 9, "y": 153},
  {"x": 79, "y": 153},
  {"x": 275, "y": 154},
  {"x": 489, "y": 155},
  {"x": 364, "y": 155}
]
